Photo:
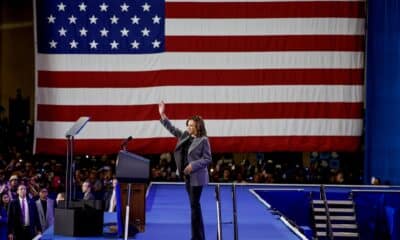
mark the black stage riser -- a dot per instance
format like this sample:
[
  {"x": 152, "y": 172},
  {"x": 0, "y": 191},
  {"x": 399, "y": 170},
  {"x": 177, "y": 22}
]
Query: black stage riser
[{"x": 78, "y": 222}]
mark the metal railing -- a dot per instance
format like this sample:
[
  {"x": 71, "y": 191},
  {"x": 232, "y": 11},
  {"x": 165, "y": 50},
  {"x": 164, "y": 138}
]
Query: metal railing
[
  {"x": 218, "y": 202},
  {"x": 329, "y": 231},
  {"x": 235, "y": 224}
]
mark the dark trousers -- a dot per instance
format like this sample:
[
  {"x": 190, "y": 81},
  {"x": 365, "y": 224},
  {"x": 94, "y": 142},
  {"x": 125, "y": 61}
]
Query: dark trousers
[
  {"x": 194, "y": 193},
  {"x": 24, "y": 234}
]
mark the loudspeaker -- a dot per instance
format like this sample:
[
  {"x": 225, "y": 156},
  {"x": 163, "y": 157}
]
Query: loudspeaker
[{"x": 78, "y": 222}]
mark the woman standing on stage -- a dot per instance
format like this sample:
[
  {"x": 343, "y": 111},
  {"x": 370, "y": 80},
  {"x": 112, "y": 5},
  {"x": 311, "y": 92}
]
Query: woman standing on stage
[{"x": 192, "y": 156}]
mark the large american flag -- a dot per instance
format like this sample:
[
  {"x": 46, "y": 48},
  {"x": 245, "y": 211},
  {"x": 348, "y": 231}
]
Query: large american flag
[{"x": 266, "y": 75}]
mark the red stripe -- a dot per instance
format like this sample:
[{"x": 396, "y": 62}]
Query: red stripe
[
  {"x": 218, "y": 145},
  {"x": 200, "y": 78},
  {"x": 264, "y": 43},
  {"x": 264, "y": 9},
  {"x": 208, "y": 111}
]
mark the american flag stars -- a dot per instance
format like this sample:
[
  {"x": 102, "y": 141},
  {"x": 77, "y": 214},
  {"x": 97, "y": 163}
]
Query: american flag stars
[
  {"x": 82, "y": 7},
  {"x": 83, "y": 31},
  {"x": 93, "y": 44},
  {"x": 109, "y": 26},
  {"x": 124, "y": 7},
  {"x": 61, "y": 7},
  {"x": 51, "y": 19},
  {"x": 72, "y": 19},
  {"x": 103, "y": 7},
  {"x": 135, "y": 20}
]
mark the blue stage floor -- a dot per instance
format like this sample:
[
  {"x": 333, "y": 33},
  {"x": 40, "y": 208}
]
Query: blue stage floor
[{"x": 168, "y": 216}]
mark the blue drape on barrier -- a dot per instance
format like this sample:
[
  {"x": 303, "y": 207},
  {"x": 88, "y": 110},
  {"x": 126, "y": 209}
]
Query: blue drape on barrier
[
  {"x": 382, "y": 152},
  {"x": 377, "y": 214},
  {"x": 293, "y": 204}
]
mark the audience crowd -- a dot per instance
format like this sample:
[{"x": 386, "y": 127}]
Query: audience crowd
[
  {"x": 37, "y": 172},
  {"x": 322, "y": 168}
]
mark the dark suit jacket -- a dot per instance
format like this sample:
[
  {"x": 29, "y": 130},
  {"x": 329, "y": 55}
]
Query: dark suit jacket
[
  {"x": 199, "y": 154},
  {"x": 88, "y": 196},
  {"x": 15, "y": 217}
]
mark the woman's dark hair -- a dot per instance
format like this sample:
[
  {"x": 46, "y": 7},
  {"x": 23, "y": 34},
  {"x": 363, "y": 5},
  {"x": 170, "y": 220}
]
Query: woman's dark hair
[{"x": 200, "y": 126}]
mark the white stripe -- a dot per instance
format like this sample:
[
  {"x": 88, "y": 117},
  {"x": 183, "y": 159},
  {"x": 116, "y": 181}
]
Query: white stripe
[
  {"x": 220, "y": 128},
  {"x": 293, "y": 228},
  {"x": 201, "y": 94},
  {"x": 260, "y": 198},
  {"x": 217, "y": 60},
  {"x": 264, "y": 27},
  {"x": 250, "y": 1}
]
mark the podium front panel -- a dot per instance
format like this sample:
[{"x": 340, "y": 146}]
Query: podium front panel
[{"x": 137, "y": 214}]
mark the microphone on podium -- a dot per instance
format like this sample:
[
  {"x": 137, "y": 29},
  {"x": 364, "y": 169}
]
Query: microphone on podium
[{"x": 125, "y": 142}]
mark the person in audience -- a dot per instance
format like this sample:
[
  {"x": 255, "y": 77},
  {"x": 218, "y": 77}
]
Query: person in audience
[
  {"x": 3, "y": 181},
  {"x": 45, "y": 207},
  {"x": 5, "y": 200},
  {"x": 375, "y": 181},
  {"x": 33, "y": 187},
  {"x": 60, "y": 197},
  {"x": 239, "y": 178},
  {"x": 23, "y": 219},
  {"x": 13, "y": 182},
  {"x": 339, "y": 177},
  {"x": 87, "y": 191},
  {"x": 192, "y": 156},
  {"x": 106, "y": 175},
  {"x": 226, "y": 177},
  {"x": 96, "y": 184},
  {"x": 110, "y": 197}
]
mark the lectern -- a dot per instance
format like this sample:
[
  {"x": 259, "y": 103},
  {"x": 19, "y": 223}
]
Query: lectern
[{"x": 132, "y": 172}]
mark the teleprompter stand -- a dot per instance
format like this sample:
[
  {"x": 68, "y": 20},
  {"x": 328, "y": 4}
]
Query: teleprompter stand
[{"x": 76, "y": 218}]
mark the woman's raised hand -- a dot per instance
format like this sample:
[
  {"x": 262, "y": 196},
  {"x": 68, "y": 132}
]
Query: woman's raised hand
[{"x": 161, "y": 109}]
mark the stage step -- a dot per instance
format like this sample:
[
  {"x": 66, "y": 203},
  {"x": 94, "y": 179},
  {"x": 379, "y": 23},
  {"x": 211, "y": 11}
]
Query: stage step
[
  {"x": 337, "y": 218},
  {"x": 337, "y": 226},
  {"x": 334, "y": 202},
  {"x": 339, "y": 234},
  {"x": 342, "y": 218},
  {"x": 337, "y": 210}
]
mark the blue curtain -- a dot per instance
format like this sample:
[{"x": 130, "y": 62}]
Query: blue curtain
[{"x": 382, "y": 141}]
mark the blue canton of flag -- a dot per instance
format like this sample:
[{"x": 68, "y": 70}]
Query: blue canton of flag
[{"x": 126, "y": 26}]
